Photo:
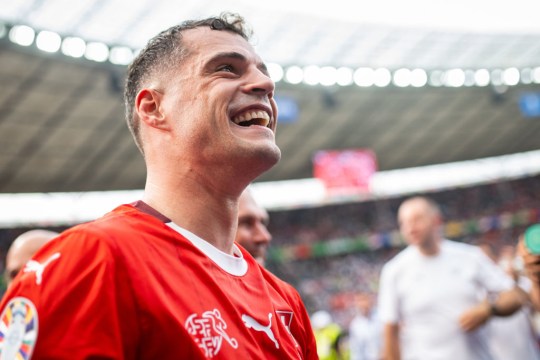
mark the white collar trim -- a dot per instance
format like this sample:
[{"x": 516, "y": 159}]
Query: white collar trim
[{"x": 233, "y": 264}]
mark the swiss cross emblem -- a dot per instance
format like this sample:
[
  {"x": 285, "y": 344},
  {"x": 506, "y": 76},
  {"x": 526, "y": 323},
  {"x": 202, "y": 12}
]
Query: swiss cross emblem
[{"x": 209, "y": 331}]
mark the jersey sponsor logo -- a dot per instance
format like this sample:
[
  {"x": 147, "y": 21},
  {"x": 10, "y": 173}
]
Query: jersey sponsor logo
[
  {"x": 18, "y": 329},
  {"x": 38, "y": 268},
  {"x": 208, "y": 331},
  {"x": 251, "y": 323}
]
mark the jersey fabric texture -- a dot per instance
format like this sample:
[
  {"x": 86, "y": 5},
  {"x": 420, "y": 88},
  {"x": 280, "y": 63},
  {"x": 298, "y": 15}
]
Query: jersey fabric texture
[
  {"x": 426, "y": 295},
  {"x": 131, "y": 286}
]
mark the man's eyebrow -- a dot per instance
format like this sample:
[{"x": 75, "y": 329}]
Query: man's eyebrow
[
  {"x": 227, "y": 55},
  {"x": 236, "y": 55}
]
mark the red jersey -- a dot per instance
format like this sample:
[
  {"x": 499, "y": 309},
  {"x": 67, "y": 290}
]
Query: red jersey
[{"x": 130, "y": 285}]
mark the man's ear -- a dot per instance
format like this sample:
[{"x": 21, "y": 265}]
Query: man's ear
[{"x": 148, "y": 107}]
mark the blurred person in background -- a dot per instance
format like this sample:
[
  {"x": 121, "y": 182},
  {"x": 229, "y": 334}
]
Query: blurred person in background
[
  {"x": 365, "y": 330},
  {"x": 22, "y": 249},
  {"x": 162, "y": 278},
  {"x": 514, "y": 336},
  {"x": 252, "y": 233},
  {"x": 328, "y": 336},
  {"x": 429, "y": 294},
  {"x": 531, "y": 261}
]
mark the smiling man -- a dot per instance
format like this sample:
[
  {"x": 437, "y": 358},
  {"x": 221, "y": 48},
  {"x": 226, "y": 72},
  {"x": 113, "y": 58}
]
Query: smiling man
[{"x": 162, "y": 278}]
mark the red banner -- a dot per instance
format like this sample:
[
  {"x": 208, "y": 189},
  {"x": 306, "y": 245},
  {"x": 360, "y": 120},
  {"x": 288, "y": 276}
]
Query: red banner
[{"x": 345, "y": 171}]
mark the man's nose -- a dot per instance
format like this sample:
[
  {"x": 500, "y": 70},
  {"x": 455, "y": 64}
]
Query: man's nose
[
  {"x": 258, "y": 82},
  {"x": 262, "y": 233}
]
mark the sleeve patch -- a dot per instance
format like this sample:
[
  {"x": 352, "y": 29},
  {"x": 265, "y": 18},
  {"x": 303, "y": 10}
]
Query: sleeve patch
[{"x": 18, "y": 329}]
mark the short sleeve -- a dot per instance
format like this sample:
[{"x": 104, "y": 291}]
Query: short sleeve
[
  {"x": 490, "y": 276},
  {"x": 388, "y": 304},
  {"x": 72, "y": 297}
]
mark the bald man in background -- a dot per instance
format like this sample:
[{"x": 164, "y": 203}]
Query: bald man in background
[
  {"x": 436, "y": 295},
  {"x": 22, "y": 249},
  {"x": 252, "y": 233}
]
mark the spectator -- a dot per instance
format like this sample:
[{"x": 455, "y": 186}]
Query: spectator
[
  {"x": 365, "y": 330},
  {"x": 328, "y": 336},
  {"x": 22, "y": 249},
  {"x": 252, "y": 233},
  {"x": 527, "y": 250},
  {"x": 429, "y": 298},
  {"x": 512, "y": 337}
]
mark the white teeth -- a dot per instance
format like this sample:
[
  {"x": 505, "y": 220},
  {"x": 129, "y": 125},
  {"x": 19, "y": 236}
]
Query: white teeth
[{"x": 262, "y": 116}]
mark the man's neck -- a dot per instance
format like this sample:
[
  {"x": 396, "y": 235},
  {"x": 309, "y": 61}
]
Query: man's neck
[
  {"x": 209, "y": 214},
  {"x": 430, "y": 248}
]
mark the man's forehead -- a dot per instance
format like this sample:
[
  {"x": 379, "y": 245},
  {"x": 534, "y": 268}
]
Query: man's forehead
[{"x": 207, "y": 41}]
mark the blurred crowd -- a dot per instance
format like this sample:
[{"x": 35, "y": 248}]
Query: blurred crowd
[
  {"x": 330, "y": 282},
  {"x": 341, "y": 290},
  {"x": 334, "y": 284}
]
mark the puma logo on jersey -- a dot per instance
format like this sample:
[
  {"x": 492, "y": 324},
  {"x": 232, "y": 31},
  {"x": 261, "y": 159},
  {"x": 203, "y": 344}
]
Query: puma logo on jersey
[
  {"x": 38, "y": 268},
  {"x": 251, "y": 323}
]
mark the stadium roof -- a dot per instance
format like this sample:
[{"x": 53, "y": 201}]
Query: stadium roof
[{"x": 62, "y": 127}]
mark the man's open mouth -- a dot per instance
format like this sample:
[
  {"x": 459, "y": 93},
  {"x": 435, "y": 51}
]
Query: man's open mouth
[{"x": 252, "y": 117}]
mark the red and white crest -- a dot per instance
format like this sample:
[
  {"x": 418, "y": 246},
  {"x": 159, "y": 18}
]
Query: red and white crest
[{"x": 209, "y": 330}]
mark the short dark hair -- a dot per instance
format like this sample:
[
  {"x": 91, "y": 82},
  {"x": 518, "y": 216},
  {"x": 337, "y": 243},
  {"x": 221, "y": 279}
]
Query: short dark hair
[{"x": 164, "y": 50}]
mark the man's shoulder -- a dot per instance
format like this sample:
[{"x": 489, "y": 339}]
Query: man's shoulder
[
  {"x": 452, "y": 246},
  {"x": 401, "y": 259},
  {"x": 123, "y": 224},
  {"x": 276, "y": 282},
  {"x": 283, "y": 288},
  {"x": 123, "y": 219}
]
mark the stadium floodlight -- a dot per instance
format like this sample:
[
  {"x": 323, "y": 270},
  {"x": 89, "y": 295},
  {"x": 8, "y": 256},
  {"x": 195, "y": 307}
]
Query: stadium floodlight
[
  {"x": 97, "y": 51},
  {"x": 526, "y": 76},
  {"x": 120, "y": 55},
  {"x": 482, "y": 77},
  {"x": 383, "y": 77},
  {"x": 454, "y": 78},
  {"x": 294, "y": 75},
  {"x": 418, "y": 78},
  {"x": 328, "y": 75},
  {"x": 496, "y": 77},
  {"x": 436, "y": 78},
  {"x": 74, "y": 47},
  {"x": 311, "y": 75},
  {"x": 344, "y": 76},
  {"x": 364, "y": 77},
  {"x": 469, "y": 78},
  {"x": 510, "y": 76},
  {"x": 536, "y": 75},
  {"x": 22, "y": 35},
  {"x": 275, "y": 71},
  {"x": 48, "y": 41},
  {"x": 402, "y": 77}
]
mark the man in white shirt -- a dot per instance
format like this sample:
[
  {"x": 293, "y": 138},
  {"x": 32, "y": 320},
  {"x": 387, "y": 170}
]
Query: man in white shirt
[{"x": 429, "y": 299}]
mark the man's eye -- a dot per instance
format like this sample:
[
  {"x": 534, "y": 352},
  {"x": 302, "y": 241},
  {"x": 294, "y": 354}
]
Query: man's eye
[{"x": 226, "y": 68}]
